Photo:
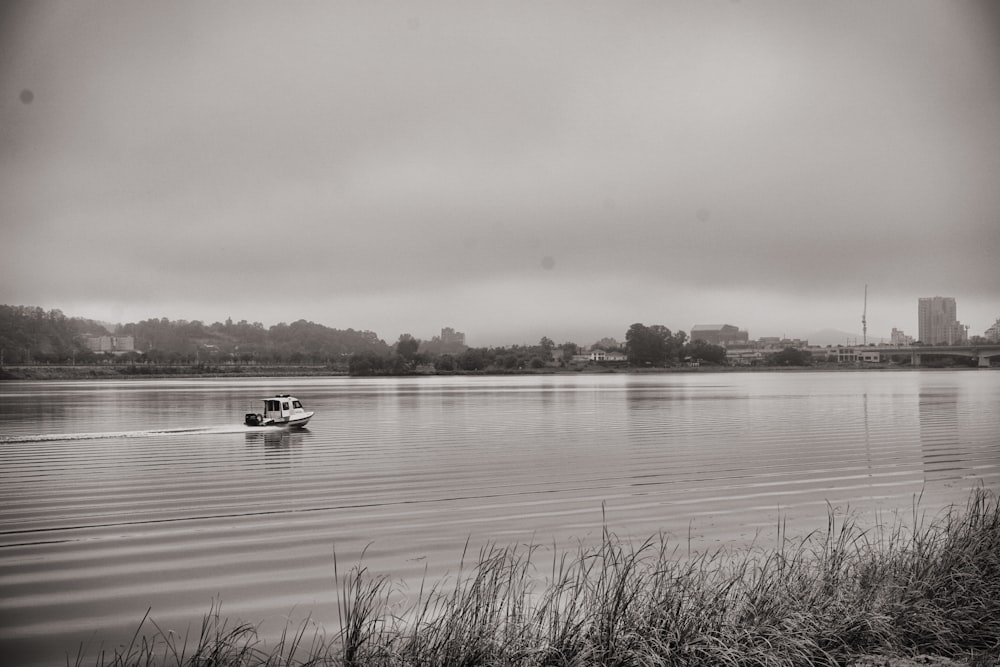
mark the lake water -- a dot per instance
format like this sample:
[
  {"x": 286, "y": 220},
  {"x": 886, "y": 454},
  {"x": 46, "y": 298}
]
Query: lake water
[{"x": 120, "y": 496}]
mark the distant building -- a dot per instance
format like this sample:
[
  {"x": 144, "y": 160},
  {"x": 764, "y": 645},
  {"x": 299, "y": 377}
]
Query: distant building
[
  {"x": 900, "y": 338},
  {"x": 600, "y": 356},
  {"x": 603, "y": 355},
  {"x": 993, "y": 333},
  {"x": 779, "y": 343},
  {"x": 113, "y": 344},
  {"x": 449, "y": 342},
  {"x": 719, "y": 334},
  {"x": 743, "y": 356},
  {"x": 937, "y": 322},
  {"x": 450, "y": 337},
  {"x": 858, "y": 354}
]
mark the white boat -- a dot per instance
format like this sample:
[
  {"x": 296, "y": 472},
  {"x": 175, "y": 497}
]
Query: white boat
[{"x": 282, "y": 410}]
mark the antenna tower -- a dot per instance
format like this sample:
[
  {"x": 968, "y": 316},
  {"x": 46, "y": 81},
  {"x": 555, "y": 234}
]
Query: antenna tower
[{"x": 864, "y": 318}]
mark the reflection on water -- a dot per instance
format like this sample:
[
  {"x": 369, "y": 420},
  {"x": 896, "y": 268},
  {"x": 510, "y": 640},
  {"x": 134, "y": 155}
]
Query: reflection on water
[
  {"x": 279, "y": 445},
  {"x": 126, "y": 495},
  {"x": 949, "y": 444}
]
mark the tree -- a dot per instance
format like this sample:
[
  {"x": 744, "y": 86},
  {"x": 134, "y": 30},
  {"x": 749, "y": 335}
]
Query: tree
[
  {"x": 790, "y": 356},
  {"x": 445, "y": 363},
  {"x": 705, "y": 351},
  {"x": 666, "y": 342},
  {"x": 407, "y": 347},
  {"x": 365, "y": 363},
  {"x": 568, "y": 351},
  {"x": 547, "y": 346},
  {"x": 473, "y": 359},
  {"x": 606, "y": 344},
  {"x": 646, "y": 346},
  {"x": 637, "y": 345}
]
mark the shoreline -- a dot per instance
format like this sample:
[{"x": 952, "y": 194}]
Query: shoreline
[{"x": 42, "y": 372}]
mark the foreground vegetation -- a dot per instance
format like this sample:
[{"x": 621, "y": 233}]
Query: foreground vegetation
[{"x": 841, "y": 596}]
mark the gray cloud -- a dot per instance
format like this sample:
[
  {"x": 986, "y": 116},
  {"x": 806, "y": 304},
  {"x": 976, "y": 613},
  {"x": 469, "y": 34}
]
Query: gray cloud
[{"x": 376, "y": 156}]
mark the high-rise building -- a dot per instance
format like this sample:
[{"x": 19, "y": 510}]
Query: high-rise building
[{"x": 937, "y": 323}]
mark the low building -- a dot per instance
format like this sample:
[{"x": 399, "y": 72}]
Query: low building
[
  {"x": 850, "y": 355},
  {"x": 744, "y": 356},
  {"x": 822, "y": 354},
  {"x": 777, "y": 343},
  {"x": 599, "y": 356},
  {"x": 725, "y": 335},
  {"x": 899, "y": 338},
  {"x": 993, "y": 333},
  {"x": 870, "y": 356},
  {"x": 112, "y": 344}
]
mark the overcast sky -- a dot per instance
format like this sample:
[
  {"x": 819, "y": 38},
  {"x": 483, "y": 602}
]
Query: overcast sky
[{"x": 511, "y": 170}]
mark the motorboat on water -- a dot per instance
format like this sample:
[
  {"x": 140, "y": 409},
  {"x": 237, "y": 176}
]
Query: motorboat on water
[{"x": 282, "y": 410}]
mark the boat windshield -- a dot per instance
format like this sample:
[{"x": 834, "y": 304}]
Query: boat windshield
[{"x": 296, "y": 404}]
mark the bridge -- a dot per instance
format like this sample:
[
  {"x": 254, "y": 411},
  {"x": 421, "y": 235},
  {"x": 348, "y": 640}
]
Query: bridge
[{"x": 983, "y": 352}]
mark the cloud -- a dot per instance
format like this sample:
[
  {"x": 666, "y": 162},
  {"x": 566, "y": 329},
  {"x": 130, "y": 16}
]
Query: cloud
[{"x": 385, "y": 161}]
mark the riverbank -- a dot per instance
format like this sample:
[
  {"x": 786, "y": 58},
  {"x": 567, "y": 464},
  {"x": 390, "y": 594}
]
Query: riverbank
[
  {"x": 890, "y": 596},
  {"x": 151, "y": 372}
]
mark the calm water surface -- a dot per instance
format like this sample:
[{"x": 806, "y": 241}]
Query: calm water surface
[{"x": 118, "y": 497}]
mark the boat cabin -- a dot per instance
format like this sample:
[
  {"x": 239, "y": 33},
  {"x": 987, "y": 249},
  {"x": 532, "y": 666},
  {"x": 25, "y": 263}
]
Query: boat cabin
[{"x": 282, "y": 409}]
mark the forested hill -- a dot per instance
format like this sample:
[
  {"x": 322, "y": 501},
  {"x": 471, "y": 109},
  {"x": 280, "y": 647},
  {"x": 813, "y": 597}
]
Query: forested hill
[{"x": 32, "y": 335}]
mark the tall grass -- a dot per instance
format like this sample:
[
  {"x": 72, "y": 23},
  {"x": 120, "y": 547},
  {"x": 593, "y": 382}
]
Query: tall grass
[
  {"x": 922, "y": 586},
  {"x": 219, "y": 643}
]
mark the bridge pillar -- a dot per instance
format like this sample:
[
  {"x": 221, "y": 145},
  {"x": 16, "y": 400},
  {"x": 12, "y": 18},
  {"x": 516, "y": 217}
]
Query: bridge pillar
[
  {"x": 984, "y": 361},
  {"x": 915, "y": 359}
]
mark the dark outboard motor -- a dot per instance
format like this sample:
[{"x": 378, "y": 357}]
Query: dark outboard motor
[{"x": 253, "y": 419}]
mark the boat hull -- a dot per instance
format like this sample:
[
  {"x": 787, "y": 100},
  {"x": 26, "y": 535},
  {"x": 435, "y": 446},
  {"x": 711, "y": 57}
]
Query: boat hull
[{"x": 298, "y": 421}]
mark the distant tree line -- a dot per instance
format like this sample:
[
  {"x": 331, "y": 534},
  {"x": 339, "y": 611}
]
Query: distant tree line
[
  {"x": 405, "y": 357},
  {"x": 32, "y": 335},
  {"x": 301, "y": 342},
  {"x": 654, "y": 346}
]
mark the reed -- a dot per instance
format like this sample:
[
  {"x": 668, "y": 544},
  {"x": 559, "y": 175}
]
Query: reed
[
  {"x": 218, "y": 643},
  {"x": 929, "y": 585}
]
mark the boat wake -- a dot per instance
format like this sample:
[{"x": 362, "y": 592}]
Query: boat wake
[{"x": 205, "y": 430}]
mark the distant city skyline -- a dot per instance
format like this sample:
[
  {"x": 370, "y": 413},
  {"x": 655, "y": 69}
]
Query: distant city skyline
[{"x": 945, "y": 309}]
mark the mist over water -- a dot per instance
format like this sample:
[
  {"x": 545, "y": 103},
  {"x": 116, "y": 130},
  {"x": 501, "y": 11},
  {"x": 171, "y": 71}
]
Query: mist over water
[{"x": 117, "y": 497}]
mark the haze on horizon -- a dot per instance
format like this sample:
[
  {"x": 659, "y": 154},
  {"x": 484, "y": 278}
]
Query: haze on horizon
[{"x": 510, "y": 170}]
